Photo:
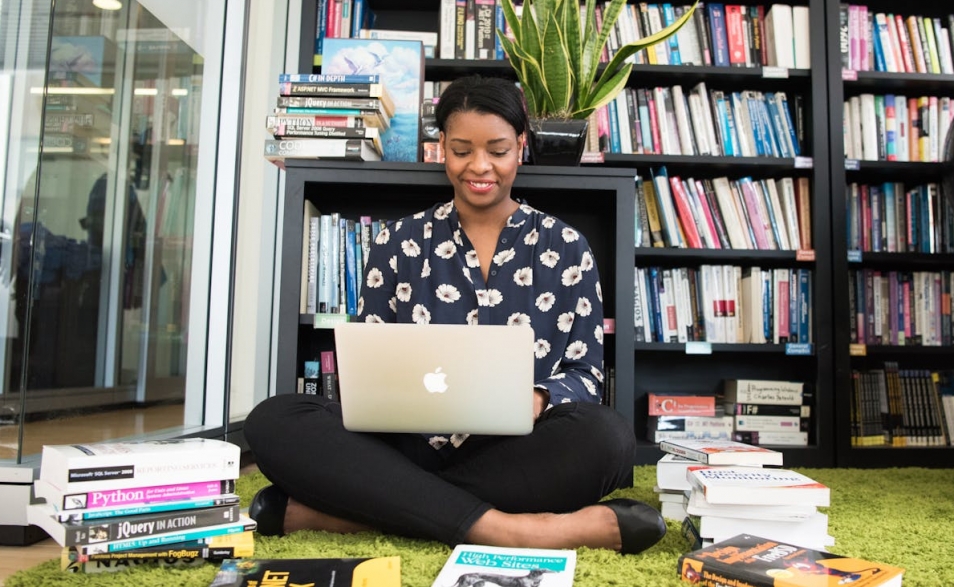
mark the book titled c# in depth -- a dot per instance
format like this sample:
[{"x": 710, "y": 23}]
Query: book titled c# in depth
[
  {"x": 471, "y": 564},
  {"x": 750, "y": 561}
]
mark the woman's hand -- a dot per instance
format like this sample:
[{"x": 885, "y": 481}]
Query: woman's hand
[{"x": 541, "y": 398}]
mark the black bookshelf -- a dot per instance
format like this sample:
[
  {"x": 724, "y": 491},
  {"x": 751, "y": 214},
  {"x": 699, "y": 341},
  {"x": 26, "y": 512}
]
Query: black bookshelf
[
  {"x": 847, "y": 356},
  {"x": 639, "y": 367}
]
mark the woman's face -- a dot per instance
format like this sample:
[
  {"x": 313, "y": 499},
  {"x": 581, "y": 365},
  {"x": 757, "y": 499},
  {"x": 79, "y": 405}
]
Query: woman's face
[{"x": 481, "y": 155}]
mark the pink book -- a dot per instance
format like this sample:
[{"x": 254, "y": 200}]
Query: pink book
[
  {"x": 760, "y": 226},
  {"x": 132, "y": 495},
  {"x": 653, "y": 123},
  {"x": 684, "y": 211},
  {"x": 698, "y": 198},
  {"x": 854, "y": 37},
  {"x": 864, "y": 28}
]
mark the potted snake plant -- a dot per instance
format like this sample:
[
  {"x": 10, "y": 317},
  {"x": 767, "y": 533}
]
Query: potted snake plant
[{"x": 555, "y": 52}]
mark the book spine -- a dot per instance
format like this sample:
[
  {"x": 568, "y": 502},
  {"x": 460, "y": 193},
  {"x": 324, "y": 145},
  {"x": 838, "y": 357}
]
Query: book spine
[
  {"x": 329, "y": 376},
  {"x": 172, "y": 506},
  {"x": 328, "y": 78},
  {"x": 243, "y": 525},
  {"x": 143, "y": 526},
  {"x": 132, "y": 496}
]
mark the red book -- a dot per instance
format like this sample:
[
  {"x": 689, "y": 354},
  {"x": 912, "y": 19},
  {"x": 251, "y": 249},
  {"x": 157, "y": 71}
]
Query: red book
[
  {"x": 684, "y": 210},
  {"x": 681, "y": 405},
  {"x": 736, "y": 36},
  {"x": 653, "y": 123}
]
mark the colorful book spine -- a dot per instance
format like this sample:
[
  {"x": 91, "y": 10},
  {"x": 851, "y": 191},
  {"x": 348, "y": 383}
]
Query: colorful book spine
[
  {"x": 137, "y": 510},
  {"x": 132, "y": 496}
]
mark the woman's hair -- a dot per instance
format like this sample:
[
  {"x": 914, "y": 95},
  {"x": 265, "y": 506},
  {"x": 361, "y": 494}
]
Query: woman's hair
[{"x": 488, "y": 95}]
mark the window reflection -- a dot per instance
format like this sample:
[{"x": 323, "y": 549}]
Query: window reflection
[{"x": 101, "y": 254}]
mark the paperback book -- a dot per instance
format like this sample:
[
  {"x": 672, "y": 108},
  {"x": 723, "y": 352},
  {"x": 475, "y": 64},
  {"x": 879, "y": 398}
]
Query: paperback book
[
  {"x": 721, "y": 452},
  {"x": 80, "y": 468},
  {"x": 471, "y": 564},
  {"x": 377, "y": 571},
  {"x": 130, "y": 496},
  {"x": 749, "y": 486},
  {"x": 751, "y": 561},
  {"x": 177, "y": 555}
]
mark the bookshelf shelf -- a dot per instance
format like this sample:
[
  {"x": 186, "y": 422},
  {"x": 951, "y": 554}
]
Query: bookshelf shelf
[
  {"x": 717, "y": 348},
  {"x": 708, "y": 165},
  {"x": 659, "y": 256},
  {"x": 867, "y": 171},
  {"x": 905, "y": 261},
  {"x": 907, "y": 82}
]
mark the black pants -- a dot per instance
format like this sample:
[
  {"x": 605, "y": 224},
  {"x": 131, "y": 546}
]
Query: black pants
[{"x": 397, "y": 483}]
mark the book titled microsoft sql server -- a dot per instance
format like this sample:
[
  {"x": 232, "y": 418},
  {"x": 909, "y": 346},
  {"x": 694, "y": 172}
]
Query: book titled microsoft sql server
[{"x": 74, "y": 468}]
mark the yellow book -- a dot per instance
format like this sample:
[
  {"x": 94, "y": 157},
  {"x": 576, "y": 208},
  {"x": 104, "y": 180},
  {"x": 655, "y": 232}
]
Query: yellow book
[{"x": 652, "y": 214}]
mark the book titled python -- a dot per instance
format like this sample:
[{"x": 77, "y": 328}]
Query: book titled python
[{"x": 382, "y": 571}]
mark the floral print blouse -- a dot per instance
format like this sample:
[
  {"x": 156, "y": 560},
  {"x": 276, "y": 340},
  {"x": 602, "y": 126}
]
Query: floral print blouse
[{"x": 423, "y": 269}]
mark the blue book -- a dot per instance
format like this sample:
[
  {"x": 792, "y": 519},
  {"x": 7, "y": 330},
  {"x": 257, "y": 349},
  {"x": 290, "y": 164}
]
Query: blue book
[
  {"x": 500, "y": 23},
  {"x": 718, "y": 100},
  {"x": 644, "y": 127},
  {"x": 778, "y": 126},
  {"x": 613, "y": 128},
  {"x": 351, "y": 279},
  {"x": 359, "y": 10},
  {"x": 771, "y": 137},
  {"x": 876, "y": 207},
  {"x": 242, "y": 525},
  {"x": 755, "y": 121},
  {"x": 767, "y": 304},
  {"x": 804, "y": 305},
  {"x": 655, "y": 282},
  {"x": 880, "y": 63},
  {"x": 321, "y": 27},
  {"x": 669, "y": 17},
  {"x": 774, "y": 216},
  {"x": 318, "y": 78},
  {"x": 890, "y": 218},
  {"x": 789, "y": 124},
  {"x": 400, "y": 64},
  {"x": 731, "y": 129},
  {"x": 719, "y": 34}
]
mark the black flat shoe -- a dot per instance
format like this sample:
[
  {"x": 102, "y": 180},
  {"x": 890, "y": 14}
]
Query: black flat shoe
[
  {"x": 268, "y": 510},
  {"x": 640, "y": 526}
]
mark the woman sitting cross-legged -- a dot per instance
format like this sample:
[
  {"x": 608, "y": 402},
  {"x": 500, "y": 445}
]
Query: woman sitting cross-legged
[{"x": 482, "y": 258}]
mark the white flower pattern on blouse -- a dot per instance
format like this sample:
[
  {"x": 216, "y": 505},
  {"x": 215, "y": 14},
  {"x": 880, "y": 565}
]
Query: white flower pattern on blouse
[{"x": 423, "y": 269}]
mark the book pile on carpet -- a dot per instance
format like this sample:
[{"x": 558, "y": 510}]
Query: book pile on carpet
[
  {"x": 722, "y": 488},
  {"x": 116, "y": 505}
]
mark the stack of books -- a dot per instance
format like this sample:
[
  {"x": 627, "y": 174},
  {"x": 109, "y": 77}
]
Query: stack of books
[
  {"x": 672, "y": 480},
  {"x": 768, "y": 412},
  {"x": 116, "y": 505},
  {"x": 330, "y": 116},
  {"x": 734, "y": 489}
]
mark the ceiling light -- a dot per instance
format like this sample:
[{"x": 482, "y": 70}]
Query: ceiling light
[
  {"x": 180, "y": 92},
  {"x": 146, "y": 92},
  {"x": 108, "y": 4},
  {"x": 75, "y": 91}
]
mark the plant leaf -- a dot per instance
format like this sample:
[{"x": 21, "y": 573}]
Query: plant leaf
[
  {"x": 606, "y": 91},
  {"x": 556, "y": 67},
  {"x": 513, "y": 23}
]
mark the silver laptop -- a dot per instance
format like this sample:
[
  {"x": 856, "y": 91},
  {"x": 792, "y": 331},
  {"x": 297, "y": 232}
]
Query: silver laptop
[{"x": 438, "y": 378}]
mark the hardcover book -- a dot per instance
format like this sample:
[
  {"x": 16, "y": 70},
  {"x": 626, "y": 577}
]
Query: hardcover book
[
  {"x": 750, "y": 561},
  {"x": 471, "y": 564},
  {"x": 401, "y": 67},
  {"x": 722, "y": 452},
  {"x": 751, "y": 486},
  {"x": 79, "y": 468},
  {"x": 377, "y": 571}
]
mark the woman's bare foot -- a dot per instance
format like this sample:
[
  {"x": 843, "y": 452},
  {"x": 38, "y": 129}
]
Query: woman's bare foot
[
  {"x": 302, "y": 517},
  {"x": 594, "y": 526}
]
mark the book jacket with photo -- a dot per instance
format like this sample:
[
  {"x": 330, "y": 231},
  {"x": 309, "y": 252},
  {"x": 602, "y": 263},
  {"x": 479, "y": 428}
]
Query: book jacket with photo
[{"x": 471, "y": 564}]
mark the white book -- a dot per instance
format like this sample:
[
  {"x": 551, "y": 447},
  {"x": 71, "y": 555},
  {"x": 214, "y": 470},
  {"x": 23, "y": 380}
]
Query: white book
[
  {"x": 346, "y": 149},
  {"x": 730, "y": 286},
  {"x": 671, "y": 471},
  {"x": 471, "y": 564},
  {"x": 761, "y": 391},
  {"x": 758, "y": 423},
  {"x": 697, "y": 116},
  {"x": 869, "y": 133},
  {"x": 429, "y": 39},
  {"x": 884, "y": 38},
  {"x": 774, "y": 438},
  {"x": 745, "y": 485},
  {"x": 802, "y": 43},
  {"x": 673, "y": 510},
  {"x": 696, "y": 505},
  {"x": 743, "y": 124},
  {"x": 934, "y": 133},
  {"x": 667, "y": 301},
  {"x": 687, "y": 37},
  {"x": 79, "y": 468},
  {"x": 752, "y": 328},
  {"x": 712, "y": 134},
  {"x": 709, "y": 302},
  {"x": 668, "y": 136},
  {"x": 667, "y": 211},
  {"x": 640, "y": 315},
  {"x": 448, "y": 17},
  {"x": 780, "y": 34},
  {"x": 722, "y": 452},
  {"x": 857, "y": 140},
  {"x": 789, "y": 210},
  {"x": 738, "y": 235},
  {"x": 778, "y": 214},
  {"x": 847, "y": 124},
  {"x": 682, "y": 121},
  {"x": 811, "y": 532},
  {"x": 307, "y": 239}
]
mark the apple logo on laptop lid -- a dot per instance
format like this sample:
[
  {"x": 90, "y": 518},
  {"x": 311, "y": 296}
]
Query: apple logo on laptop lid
[{"x": 435, "y": 382}]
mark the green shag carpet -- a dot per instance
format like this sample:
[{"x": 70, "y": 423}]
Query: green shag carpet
[{"x": 903, "y": 517}]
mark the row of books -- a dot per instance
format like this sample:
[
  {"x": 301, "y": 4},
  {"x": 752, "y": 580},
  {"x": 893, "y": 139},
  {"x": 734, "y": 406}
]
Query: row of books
[
  {"x": 117, "y": 505},
  {"x": 334, "y": 253},
  {"x": 341, "y": 19},
  {"x": 878, "y": 41},
  {"x": 896, "y": 128},
  {"x": 671, "y": 121},
  {"x": 900, "y": 308},
  {"x": 892, "y": 218},
  {"x": 723, "y": 304},
  {"x": 902, "y": 407},
  {"x": 765, "y": 214}
]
